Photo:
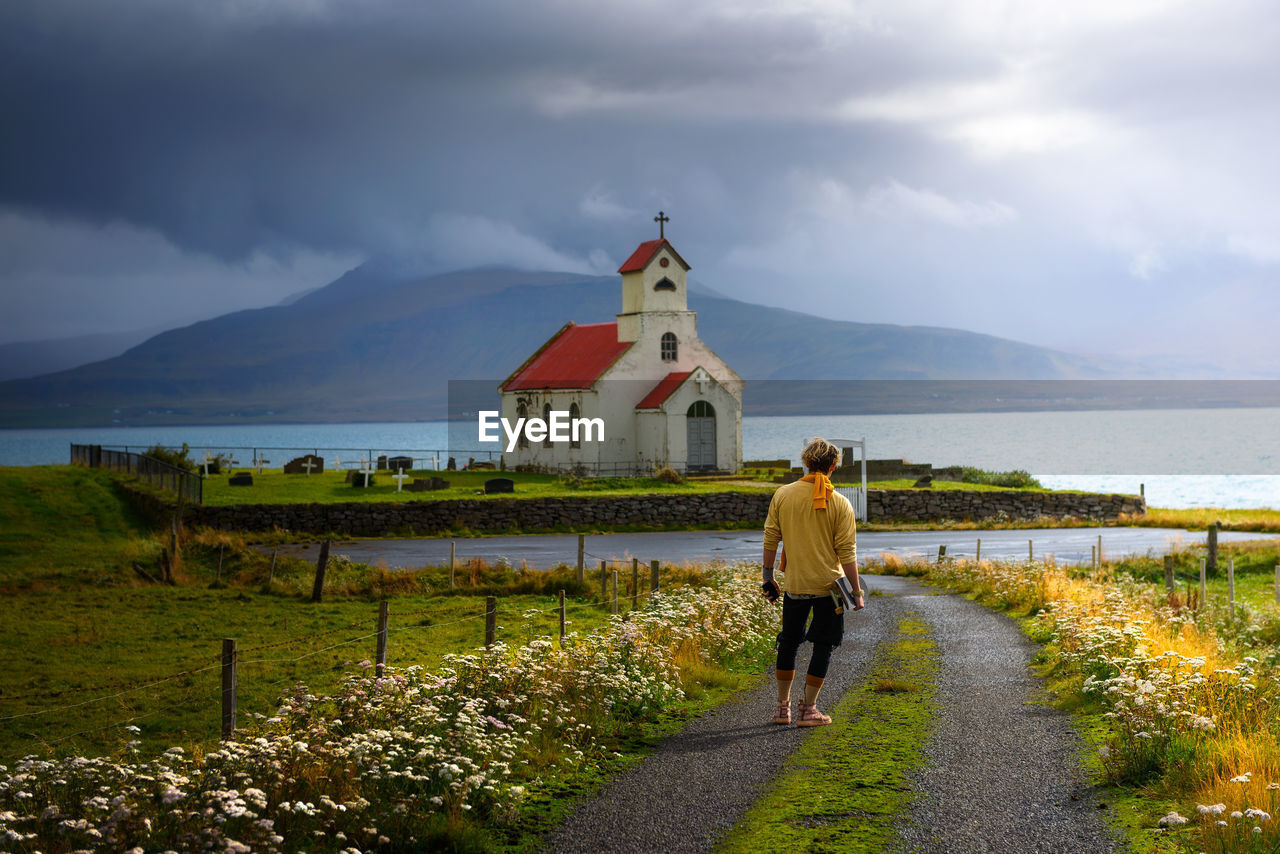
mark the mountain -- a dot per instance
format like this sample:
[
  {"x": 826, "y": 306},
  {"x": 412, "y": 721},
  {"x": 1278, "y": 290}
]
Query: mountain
[
  {"x": 373, "y": 346},
  {"x": 21, "y": 359}
]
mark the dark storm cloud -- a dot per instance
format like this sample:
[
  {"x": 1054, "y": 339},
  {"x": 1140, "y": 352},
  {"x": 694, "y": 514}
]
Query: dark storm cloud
[
  {"x": 230, "y": 126},
  {"x": 1006, "y": 168}
]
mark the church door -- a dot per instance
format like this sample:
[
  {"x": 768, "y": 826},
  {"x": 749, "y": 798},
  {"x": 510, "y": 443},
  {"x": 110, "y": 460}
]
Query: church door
[{"x": 701, "y": 432}]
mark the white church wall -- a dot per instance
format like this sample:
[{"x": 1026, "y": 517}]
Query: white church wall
[
  {"x": 652, "y": 442},
  {"x": 555, "y": 455}
]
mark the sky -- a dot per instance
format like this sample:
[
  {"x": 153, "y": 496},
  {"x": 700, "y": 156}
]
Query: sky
[{"x": 1096, "y": 176}]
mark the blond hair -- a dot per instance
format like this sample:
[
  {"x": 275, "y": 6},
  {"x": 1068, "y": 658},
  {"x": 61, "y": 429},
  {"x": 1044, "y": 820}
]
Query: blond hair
[{"x": 819, "y": 455}]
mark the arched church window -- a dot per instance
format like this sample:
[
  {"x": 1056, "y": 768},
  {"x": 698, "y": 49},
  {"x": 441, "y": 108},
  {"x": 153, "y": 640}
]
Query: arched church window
[
  {"x": 546, "y": 419},
  {"x": 574, "y": 413},
  {"x": 701, "y": 409},
  {"x": 668, "y": 347},
  {"x": 522, "y": 441},
  {"x": 665, "y": 284}
]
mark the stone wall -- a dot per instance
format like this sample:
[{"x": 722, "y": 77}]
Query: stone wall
[
  {"x": 926, "y": 505},
  {"x": 373, "y": 519}
]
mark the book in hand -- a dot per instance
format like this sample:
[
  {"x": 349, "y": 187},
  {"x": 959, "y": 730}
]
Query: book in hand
[{"x": 842, "y": 591}]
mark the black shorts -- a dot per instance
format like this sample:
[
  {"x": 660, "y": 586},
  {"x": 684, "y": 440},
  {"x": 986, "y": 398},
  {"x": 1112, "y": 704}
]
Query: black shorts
[{"x": 826, "y": 627}]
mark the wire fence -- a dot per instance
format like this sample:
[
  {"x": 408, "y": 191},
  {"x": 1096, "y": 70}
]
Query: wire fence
[
  {"x": 276, "y": 456},
  {"x": 185, "y": 484},
  {"x": 231, "y": 657}
]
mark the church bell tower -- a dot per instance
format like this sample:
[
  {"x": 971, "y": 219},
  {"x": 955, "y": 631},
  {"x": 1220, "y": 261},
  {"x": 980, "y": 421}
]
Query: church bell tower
[{"x": 655, "y": 290}]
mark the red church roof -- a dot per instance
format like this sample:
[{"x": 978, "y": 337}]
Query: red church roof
[
  {"x": 644, "y": 254},
  {"x": 663, "y": 390},
  {"x": 575, "y": 357}
]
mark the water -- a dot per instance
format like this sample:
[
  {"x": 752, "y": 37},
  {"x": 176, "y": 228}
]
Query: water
[
  {"x": 1185, "y": 458},
  {"x": 544, "y": 551}
]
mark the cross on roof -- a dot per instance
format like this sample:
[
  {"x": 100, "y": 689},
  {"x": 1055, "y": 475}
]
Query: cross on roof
[{"x": 661, "y": 219}]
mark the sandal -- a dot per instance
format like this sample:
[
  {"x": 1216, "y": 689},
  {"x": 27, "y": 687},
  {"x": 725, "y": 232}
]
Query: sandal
[
  {"x": 783, "y": 715},
  {"x": 810, "y": 716}
]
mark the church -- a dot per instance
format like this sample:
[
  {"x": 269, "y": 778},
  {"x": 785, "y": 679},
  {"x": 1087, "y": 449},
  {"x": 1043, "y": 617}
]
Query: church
[{"x": 663, "y": 397}]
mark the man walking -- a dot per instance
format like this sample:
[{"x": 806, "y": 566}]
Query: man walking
[{"x": 816, "y": 524}]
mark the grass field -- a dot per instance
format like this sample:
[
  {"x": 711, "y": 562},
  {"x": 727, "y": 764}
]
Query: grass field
[
  {"x": 1198, "y": 519},
  {"x": 88, "y": 643},
  {"x": 275, "y": 487}
]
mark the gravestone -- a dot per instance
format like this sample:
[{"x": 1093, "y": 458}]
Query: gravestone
[
  {"x": 428, "y": 484},
  {"x": 357, "y": 477},
  {"x": 241, "y": 478},
  {"x": 210, "y": 465},
  {"x": 306, "y": 464},
  {"x": 499, "y": 484},
  {"x": 395, "y": 463},
  {"x": 925, "y": 482},
  {"x": 453, "y": 464}
]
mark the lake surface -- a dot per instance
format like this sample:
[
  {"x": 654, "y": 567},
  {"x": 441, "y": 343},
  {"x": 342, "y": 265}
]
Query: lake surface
[{"x": 1185, "y": 458}]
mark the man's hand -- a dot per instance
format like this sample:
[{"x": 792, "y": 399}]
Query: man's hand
[
  {"x": 770, "y": 590},
  {"x": 857, "y": 601}
]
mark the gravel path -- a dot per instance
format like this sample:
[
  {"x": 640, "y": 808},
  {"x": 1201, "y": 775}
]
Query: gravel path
[
  {"x": 999, "y": 778},
  {"x": 1001, "y": 771}
]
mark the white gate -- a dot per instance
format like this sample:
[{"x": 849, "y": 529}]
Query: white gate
[{"x": 857, "y": 496}]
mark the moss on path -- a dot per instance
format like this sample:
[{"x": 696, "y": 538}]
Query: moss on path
[{"x": 846, "y": 786}]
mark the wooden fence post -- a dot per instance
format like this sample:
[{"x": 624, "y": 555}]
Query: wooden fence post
[
  {"x": 1204, "y": 589},
  {"x": 318, "y": 588},
  {"x": 451, "y": 545},
  {"x": 1093, "y": 558},
  {"x": 382, "y": 636},
  {"x": 1031, "y": 552},
  {"x": 1168, "y": 573},
  {"x": 635, "y": 583},
  {"x": 655, "y": 575},
  {"x": 1211, "y": 552},
  {"x": 1099, "y": 551},
  {"x": 604, "y": 583},
  {"x": 582, "y": 554},
  {"x": 942, "y": 553},
  {"x": 229, "y": 657},
  {"x": 271, "y": 570},
  {"x": 490, "y": 620},
  {"x": 174, "y": 555},
  {"x": 562, "y": 618},
  {"x": 978, "y": 556},
  {"x": 615, "y": 591}
]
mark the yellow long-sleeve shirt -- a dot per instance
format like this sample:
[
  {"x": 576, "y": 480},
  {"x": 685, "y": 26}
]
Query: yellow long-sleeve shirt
[{"x": 817, "y": 542}]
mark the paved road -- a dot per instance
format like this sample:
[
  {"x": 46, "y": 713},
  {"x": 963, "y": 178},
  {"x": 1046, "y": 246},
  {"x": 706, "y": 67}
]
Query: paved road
[
  {"x": 540, "y": 551},
  {"x": 1001, "y": 772}
]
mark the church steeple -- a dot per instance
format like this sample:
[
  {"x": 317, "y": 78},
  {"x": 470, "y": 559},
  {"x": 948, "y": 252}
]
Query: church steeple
[
  {"x": 653, "y": 278},
  {"x": 655, "y": 290}
]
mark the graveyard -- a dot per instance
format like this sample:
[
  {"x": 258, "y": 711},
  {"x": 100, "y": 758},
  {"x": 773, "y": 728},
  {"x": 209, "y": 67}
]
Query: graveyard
[{"x": 273, "y": 486}]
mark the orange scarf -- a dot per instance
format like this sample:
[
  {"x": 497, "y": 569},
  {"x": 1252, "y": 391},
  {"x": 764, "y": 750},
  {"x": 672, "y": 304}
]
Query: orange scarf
[{"x": 822, "y": 489}]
